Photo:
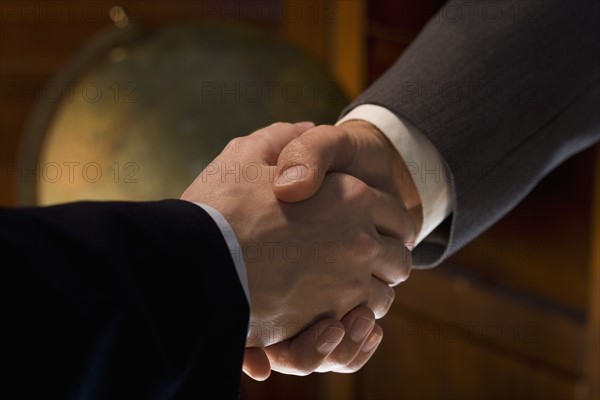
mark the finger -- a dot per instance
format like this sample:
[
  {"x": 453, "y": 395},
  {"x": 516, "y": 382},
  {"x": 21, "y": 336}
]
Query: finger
[
  {"x": 367, "y": 350},
  {"x": 358, "y": 324},
  {"x": 303, "y": 163},
  {"x": 388, "y": 214},
  {"x": 388, "y": 255},
  {"x": 391, "y": 217},
  {"x": 381, "y": 297},
  {"x": 305, "y": 352},
  {"x": 276, "y": 136},
  {"x": 394, "y": 263},
  {"x": 256, "y": 363}
]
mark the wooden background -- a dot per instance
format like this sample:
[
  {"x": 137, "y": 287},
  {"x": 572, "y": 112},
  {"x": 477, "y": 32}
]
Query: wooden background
[{"x": 514, "y": 314}]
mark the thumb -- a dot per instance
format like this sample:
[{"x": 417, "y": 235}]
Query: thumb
[
  {"x": 256, "y": 364},
  {"x": 303, "y": 163}
]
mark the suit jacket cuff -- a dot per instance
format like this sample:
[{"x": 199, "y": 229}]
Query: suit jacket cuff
[{"x": 232, "y": 243}]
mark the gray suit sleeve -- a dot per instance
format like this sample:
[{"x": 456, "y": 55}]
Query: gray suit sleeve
[{"x": 506, "y": 93}]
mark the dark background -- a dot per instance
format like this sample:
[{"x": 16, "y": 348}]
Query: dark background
[{"x": 513, "y": 314}]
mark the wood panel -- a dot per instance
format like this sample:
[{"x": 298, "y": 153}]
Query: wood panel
[
  {"x": 542, "y": 247},
  {"x": 427, "y": 368},
  {"x": 311, "y": 32},
  {"x": 347, "y": 55},
  {"x": 493, "y": 316},
  {"x": 392, "y": 25},
  {"x": 593, "y": 311}
]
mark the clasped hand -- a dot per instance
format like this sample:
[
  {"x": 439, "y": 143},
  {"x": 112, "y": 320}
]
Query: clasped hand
[{"x": 324, "y": 235}]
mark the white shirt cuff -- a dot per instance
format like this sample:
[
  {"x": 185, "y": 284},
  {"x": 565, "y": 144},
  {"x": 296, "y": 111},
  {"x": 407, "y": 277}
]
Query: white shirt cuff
[
  {"x": 232, "y": 243},
  {"x": 424, "y": 162}
]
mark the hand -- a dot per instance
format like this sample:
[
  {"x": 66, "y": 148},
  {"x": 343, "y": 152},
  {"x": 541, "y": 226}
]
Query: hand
[
  {"x": 356, "y": 148},
  {"x": 305, "y": 261},
  {"x": 327, "y": 346}
]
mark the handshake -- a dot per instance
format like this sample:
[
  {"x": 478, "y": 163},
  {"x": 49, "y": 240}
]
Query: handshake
[{"x": 325, "y": 218}]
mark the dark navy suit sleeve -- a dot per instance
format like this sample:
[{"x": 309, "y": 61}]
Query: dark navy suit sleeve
[{"x": 120, "y": 300}]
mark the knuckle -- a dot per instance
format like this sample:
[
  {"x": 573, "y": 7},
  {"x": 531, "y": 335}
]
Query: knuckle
[
  {"x": 391, "y": 297},
  {"x": 236, "y": 144},
  {"x": 400, "y": 276},
  {"x": 406, "y": 265},
  {"x": 401, "y": 272},
  {"x": 397, "y": 262},
  {"x": 339, "y": 360},
  {"x": 303, "y": 372},
  {"x": 279, "y": 124},
  {"x": 383, "y": 302},
  {"x": 349, "y": 369},
  {"x": 355, "y": 189},
  {"x": 386, "y": 303},
  {"x": 277, "y": 127},
  {"x": 367, "y": 246}
]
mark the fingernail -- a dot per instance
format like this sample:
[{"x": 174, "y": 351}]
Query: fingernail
[
  {"x": 305, "y": 124},
  {"x": 361, "y": 327},
  {"x": 329, "y": 339},
  {"x": 292, "y": 174},
  {"x": 372, "y": 342}
]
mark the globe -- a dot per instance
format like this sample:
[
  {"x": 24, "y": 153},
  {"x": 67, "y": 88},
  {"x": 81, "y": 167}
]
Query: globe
[{"x": 149, "y": 113}]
